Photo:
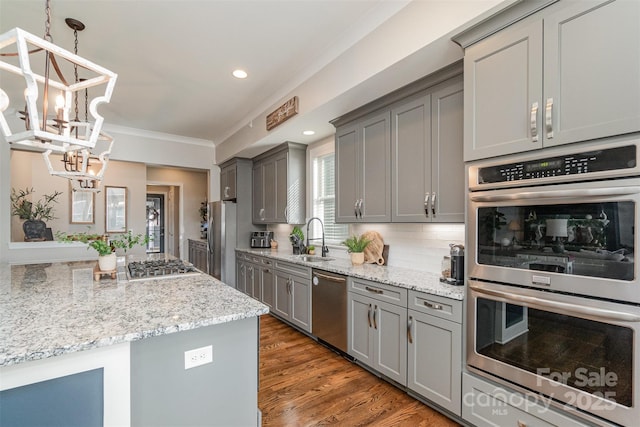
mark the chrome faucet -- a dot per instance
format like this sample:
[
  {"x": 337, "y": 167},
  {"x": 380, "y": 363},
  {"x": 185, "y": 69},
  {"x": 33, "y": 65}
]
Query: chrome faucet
[{"x": 325, "y": 249}]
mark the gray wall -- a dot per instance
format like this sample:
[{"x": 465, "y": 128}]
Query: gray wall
[{"x": 223, "y": 393}]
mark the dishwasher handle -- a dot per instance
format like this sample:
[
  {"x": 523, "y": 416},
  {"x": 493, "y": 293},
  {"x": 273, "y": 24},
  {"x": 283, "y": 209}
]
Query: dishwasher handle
[{"x": 338, "y": 279}]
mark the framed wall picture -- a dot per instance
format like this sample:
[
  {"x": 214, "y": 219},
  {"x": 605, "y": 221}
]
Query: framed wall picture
[
  {"x": 82, "y": 205},
  {"x": 115, "y": 205}
]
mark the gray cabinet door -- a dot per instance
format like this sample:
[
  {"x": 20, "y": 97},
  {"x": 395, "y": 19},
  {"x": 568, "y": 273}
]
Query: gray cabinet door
[
  {"x": 347, "y": 173},
  {"x": 591, "y": 71},
  {"x": 281, "y": 187},
  {"x": 269, "y": 189},
  {"x": 360, "y": 340},
  {"x": 411, "y": 159},
  {"x": 241, "y": 274},
  {"x": 228, "y": 182},
  {"x": 448, "y": 182},
  {"x": 254, "y": 286},
  {"x": 267, "y": 283},
  {"x": 435, "y": 360},
  {"x": 375, "y": 164},
  {"x": 390, "y": 330},
  {"x": 502, "y": 86},
  {"x": 282, "y": 305},
  {"x": 257, "y": 206},
  {"x": 300, "y": 297}
]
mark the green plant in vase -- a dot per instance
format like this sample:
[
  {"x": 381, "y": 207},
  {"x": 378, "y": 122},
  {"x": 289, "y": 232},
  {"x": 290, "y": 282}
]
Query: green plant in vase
[{"x": 356, "y": 246}]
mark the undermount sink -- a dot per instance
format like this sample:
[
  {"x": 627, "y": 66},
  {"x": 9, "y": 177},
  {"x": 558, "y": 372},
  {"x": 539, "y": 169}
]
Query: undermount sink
[{"x": 314, "y": 258}]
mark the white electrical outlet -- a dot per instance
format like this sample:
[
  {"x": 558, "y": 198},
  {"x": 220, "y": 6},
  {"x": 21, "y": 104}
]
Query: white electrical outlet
[{"x": 198, "y": 356}]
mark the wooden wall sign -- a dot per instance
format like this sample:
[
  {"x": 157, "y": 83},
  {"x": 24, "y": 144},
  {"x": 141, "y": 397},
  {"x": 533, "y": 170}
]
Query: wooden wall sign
[{"x": 283, "y": 113}]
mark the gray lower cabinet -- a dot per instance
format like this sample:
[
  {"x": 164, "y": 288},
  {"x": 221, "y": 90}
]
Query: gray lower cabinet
[
  {"x": 292, "y": 285},
  {"x": 377, "y": 335},
  {"x": 435, "y": 349},
  {"x": 564, "y": 75},
  {"x": 279, "y": 188},
  {"x": 198, "y": 254},
  {"x": 267, "y": 283},
  {"x": 241, "y": 272},
  {"x": 426, "y": 155}
]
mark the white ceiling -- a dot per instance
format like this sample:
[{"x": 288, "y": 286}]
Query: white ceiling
[{"x": 174, "y": 58}]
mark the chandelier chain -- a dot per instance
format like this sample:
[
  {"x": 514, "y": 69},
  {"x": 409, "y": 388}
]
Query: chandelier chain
[{"x": 47, "y": 22}]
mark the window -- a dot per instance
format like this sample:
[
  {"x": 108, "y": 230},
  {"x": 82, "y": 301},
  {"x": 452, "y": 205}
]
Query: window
[{"x": 324, "y": 198}]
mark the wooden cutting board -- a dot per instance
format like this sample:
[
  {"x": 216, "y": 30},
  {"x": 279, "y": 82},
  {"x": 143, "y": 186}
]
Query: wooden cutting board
[{"x": 373, "y": 251}]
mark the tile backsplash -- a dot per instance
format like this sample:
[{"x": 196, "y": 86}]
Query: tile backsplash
[{"x": 415, "y": 246}]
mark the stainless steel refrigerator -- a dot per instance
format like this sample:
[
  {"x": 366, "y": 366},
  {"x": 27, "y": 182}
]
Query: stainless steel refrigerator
[
  {"x": 230, "y": 225},
  {"x": 229, "y": 228},
  {"x": 221, "y": 241}
]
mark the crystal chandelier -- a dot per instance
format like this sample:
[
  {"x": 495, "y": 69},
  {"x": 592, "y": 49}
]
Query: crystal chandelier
[{"x": 44, "y": 131}]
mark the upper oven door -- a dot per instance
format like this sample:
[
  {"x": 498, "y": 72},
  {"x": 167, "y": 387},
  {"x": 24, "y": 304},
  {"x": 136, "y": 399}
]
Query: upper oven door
[{"x": 576, "y": 238}]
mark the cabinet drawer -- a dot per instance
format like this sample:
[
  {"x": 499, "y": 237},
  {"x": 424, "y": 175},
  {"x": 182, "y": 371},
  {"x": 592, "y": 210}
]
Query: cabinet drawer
[
  {"x": 267, "y": 262},
  {"x": 493, "y": 406},
  {"x": 255, "y": 259},
  {"x": 382, "y": 292},
  {"x": 241, "y": 256},
  {"x": 434, "y": 305},
  {"x": 291, "y": 268}
]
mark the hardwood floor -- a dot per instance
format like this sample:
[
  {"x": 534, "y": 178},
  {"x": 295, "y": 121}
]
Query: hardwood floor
[{"x": 302, "y": 383}]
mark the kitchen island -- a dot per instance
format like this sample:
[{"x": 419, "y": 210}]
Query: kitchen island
[{"x": 122, "y": 344}]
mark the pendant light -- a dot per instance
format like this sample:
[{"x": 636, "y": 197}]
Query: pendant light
[
  {"x": 45, "y": 131},
  {"x": 80, "y": 165}
]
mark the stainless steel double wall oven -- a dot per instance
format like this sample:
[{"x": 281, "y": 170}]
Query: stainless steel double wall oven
[{"x": 553, "y": 290}]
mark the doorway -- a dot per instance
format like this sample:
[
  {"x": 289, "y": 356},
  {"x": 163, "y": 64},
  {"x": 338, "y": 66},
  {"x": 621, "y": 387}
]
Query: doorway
[{"x": 155, "y": 223}]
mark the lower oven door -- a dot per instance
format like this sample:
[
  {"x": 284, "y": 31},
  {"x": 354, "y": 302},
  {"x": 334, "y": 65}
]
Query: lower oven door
[{"x": 572, "y": 352}]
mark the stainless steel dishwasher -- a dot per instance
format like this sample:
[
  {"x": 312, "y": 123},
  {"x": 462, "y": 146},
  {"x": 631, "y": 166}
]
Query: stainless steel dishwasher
[{"x": 329, "y": 308}]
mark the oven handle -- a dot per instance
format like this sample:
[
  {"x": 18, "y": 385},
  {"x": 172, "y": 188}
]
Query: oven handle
[
  {"x": 556, "y": 194},
  {"x": 564, "y": 308}
]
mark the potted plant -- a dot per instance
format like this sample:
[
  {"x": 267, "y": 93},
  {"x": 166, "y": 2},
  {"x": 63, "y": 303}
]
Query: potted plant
[
  {"x": 34, "y": 214},
  {"x": 311, "y": 250},
  {"x": 297, "y": 239},
  {"x": 106, "y": 254},
  {"x": 356, "y": 246}
]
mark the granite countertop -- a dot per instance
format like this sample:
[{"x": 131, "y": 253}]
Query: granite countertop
[
  {"x": 50, "y": 309},
  {"x": 421, "y": 281}
]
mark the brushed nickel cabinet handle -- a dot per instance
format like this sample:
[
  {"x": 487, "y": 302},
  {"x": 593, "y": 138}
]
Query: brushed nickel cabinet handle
[
  {"x": 549, "y": 118},
  {"x": 534, "y": 122},
  {"x": 355, "y": 209},
  {"x": 432, "y": 305},
  {"x": 375, "y": 324},
  {"x": 427, "y": 197},
  {"x": 433, "y": 204}
]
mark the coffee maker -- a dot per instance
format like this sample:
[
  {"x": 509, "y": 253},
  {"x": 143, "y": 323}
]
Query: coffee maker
[{"x": 453, "y": 272}]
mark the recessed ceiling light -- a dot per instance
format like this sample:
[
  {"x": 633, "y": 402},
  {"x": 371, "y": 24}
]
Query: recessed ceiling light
[
  {"x": 308, "y": 132},
  {"x": 239, "y": 74}
]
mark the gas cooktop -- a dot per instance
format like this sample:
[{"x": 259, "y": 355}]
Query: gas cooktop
[{"x": 160, "y": 269}]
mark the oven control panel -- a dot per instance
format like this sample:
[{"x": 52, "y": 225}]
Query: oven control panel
[{"x": 575, "y": 164}]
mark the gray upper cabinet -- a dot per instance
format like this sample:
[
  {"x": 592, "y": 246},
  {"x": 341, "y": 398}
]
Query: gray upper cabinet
[
  {"x": 426, "y": 151},
  {"x": 400, "y": 158},
  {"x": 279, "y": 185},
  {"x": 567, "y": 74},
  {"x": 363, "y": 168},
  {"x": 228, "y": 178}
]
